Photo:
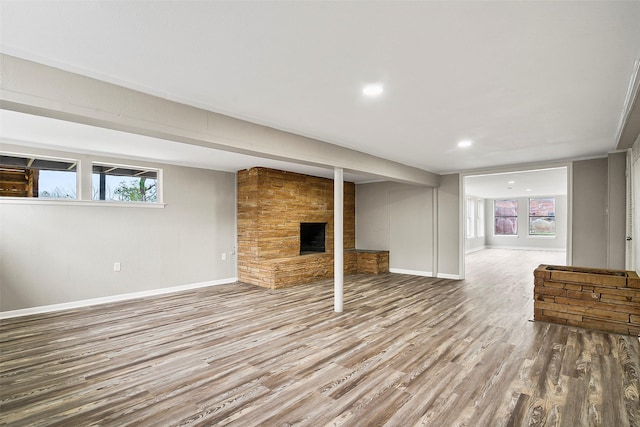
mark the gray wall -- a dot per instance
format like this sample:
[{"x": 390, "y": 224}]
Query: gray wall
[
  {"x": 399, "y": 218},
  {"x": 449, "y": 226},
  {"x": 589, "y": 217},
  {"x": 599, "y": 209},
  {"x": 616, "y": 203},
  {"x": 57, "y": 253},
  {"x": 634, "y": 246},
  {"x": 523, "y": 240},
  {"x": 411, "y": 229}
]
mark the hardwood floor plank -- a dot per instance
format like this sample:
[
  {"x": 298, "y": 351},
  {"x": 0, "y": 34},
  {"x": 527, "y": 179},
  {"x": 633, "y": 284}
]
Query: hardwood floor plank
[{"x": 406, "y": 351}]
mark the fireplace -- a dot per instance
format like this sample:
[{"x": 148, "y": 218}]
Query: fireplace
[
  {"x": 312, "y": 237},
  {"x": 272, "y": 205}
]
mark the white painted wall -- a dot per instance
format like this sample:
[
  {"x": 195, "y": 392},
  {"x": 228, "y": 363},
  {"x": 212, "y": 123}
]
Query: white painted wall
[
  {"x": 523, "y": 240},
  {"x": 399, "y": 218},
  {"x": 53, "y": 253}
]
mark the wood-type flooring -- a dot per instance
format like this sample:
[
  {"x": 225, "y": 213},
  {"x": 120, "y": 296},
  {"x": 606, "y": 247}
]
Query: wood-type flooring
[{"x": 406, "y": 351}]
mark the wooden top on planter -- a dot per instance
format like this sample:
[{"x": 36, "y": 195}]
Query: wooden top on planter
[{"x": 594, "y": 276}]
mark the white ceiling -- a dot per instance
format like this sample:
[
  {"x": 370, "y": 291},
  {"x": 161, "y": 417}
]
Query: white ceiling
[
  {"x": 526, "y": 81},
  {"x": 532, "y": 183}
]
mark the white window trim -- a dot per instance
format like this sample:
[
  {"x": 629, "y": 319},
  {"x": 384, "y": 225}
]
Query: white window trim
[
  {"x": 80, "y": 184},
  {"x": 540, "y": 236},
  {"x": 76, "y": 202}
]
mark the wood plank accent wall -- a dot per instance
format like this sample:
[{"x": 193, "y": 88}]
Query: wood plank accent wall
[
  {"x": 271, "y": 206},
  {"x": 606, "y": 300}
]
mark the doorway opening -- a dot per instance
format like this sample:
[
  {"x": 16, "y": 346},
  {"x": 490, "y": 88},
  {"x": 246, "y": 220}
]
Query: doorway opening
[{"x": 526, "y": 210}]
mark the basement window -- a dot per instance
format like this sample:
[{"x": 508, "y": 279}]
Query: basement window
[
  {"x": 119, "y": 183},
  {"x": 38, "y": 177}
]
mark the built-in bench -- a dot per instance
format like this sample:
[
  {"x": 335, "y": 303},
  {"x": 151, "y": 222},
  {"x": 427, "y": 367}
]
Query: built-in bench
[
  {"x": 368, "y": 261},
  {"x": 607, "y": 300},
  {"x": 283, "y": 272}
]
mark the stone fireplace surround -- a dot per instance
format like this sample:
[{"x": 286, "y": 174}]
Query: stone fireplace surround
[{"x": 271, "y": 206}]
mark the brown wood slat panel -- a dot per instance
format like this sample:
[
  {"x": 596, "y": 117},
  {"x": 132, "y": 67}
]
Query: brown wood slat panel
[
  {"x": 407, "y": 351},
  {"x": 271, "y": 206}
]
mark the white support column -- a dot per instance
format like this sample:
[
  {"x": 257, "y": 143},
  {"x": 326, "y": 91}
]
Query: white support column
[{"x": 338, "y": 231}]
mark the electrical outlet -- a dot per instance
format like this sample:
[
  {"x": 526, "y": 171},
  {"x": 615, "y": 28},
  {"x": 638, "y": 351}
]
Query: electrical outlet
[
  {"x": 224, "y": 256},
  {"x": 116, "y": 266}
]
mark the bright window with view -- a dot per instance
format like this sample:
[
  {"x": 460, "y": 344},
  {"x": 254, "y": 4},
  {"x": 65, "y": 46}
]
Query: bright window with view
[
  {"x": 480, "y": 218},
  {"x": 37, "y": 177},
  {"x": 542, "y": 217},
  {"x": 506, "y": 217},
  {"x": 124, "y": 183}
]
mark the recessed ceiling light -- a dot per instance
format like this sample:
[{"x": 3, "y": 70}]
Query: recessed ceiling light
[
  {"x": 373, "y": 90},
  {"x": 528, "y": 189},
  {"x": 511, "y": 182},
  {"x": 464, "y": 143}
]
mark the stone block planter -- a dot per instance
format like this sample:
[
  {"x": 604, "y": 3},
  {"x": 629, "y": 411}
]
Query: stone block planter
[{"x": 607, "y": 300}]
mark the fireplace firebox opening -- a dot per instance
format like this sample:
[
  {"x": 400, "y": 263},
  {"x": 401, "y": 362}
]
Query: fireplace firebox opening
[{"x": 312, "y": 237}]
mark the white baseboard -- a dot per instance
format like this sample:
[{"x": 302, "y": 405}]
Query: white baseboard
[
  {"x": 411, "y": 272},
  {"x": 449, "y": 276},
  {"x": 525, "y": 248},
  {"x": 110, "y": 299}
]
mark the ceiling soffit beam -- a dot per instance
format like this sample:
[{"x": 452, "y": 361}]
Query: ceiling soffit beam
[
  {"x": 629, "y": 128},
  {"x": 34, "y": 88}
]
